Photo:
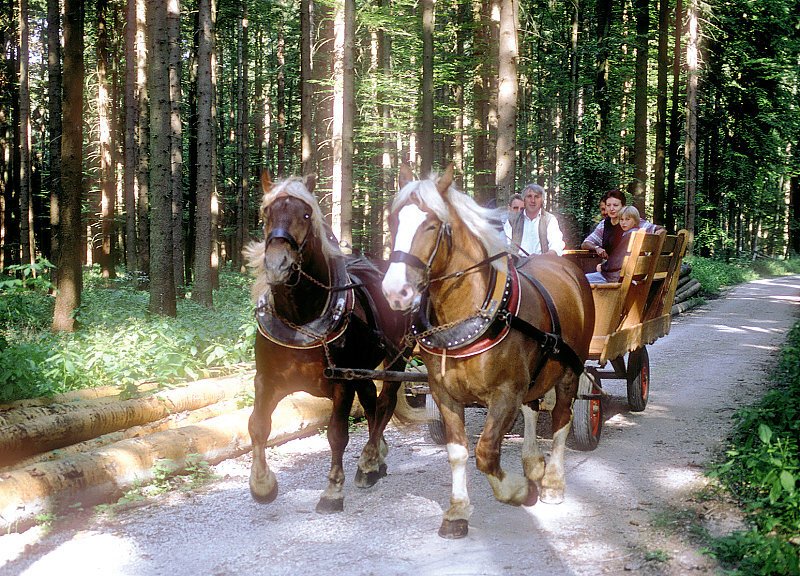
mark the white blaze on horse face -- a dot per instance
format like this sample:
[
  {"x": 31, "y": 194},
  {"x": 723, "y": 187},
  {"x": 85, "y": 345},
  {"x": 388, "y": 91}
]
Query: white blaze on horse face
[{"x": 398, "y": 291}]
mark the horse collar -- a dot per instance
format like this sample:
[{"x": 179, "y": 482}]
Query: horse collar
[
  {"x": 329, "y": 326},
  {"x": 477, "y": 333}
]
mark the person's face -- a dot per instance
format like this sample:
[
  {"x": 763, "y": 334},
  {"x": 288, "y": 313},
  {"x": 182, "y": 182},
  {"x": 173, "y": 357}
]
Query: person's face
[
  {"x": 533, "y": 203},
  {"x": 626, "y": 222},
  {"x": 602, "y": 208},
  {"x": 516, "y": 205},
  {"x": 613, "y": 206}
]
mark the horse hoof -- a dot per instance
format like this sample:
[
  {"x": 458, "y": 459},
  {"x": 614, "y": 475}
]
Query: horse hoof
[
  {"x": 265, "y": 498},
  {"x": 453, "y": 529},
  {"x": 533, "y": 494},
  {"x": 330, "y": 506},
  {"x": 551, "y": 496},
  {"x": 369, "y": 479}
]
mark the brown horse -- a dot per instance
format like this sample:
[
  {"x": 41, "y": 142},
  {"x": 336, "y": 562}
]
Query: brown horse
[
  {"x": 317, "y": 309},
  {"x": 489, "y": 333}
]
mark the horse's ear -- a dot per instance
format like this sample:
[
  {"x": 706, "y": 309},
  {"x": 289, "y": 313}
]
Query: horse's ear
[
  {"x": 406, "y": 175},
  {"x": 266, "y": 181},
  {"x": 445, "y": 180},
  {"x": 310, "y": 181}
]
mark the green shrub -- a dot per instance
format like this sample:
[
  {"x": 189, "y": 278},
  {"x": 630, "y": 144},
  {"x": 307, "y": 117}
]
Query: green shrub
[
  {"x": 761, "y": 468},
  {"x": 118, "y": 342}
]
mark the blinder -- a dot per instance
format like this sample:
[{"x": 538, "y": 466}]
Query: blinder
[{"x": 401, "y": 257}]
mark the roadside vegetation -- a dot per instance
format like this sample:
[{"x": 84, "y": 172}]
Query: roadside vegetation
[
  {"x": 118, "y": 342},
  {"x": 761, "y": 470}
]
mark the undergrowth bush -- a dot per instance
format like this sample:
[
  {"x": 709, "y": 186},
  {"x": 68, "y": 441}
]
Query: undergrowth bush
[
  {"x": 714, "y": 274},
  {"x": 761, "y": 468},
  {"x": 118, "y": 342}
]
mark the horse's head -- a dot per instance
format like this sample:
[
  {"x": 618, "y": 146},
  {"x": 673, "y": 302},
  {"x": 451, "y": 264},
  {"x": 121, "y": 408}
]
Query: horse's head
[
  {"x": 292, "y": 221},
  {"x": 420, "y": 227}
]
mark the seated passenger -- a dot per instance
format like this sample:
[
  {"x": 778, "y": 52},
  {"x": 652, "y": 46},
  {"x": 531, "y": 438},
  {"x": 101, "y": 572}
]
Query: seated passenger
[
  {"x": 609, "y": 270},
  {"x": 533, "y": 230},
  {"x": 607, "y": 232}
]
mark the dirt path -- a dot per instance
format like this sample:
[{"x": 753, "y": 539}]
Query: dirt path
[{"x": 630, "y": 507}]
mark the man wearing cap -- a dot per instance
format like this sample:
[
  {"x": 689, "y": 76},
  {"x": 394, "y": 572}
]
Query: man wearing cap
[{"x": 533, "y": 230}]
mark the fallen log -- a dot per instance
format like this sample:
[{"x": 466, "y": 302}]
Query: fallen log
[
  {"x": 75, "y": 396},
  {"x": 170, "y": 422},
  {"x": 691, "y": 289},
  {"x": 102, "y": 475},
  {"x": 50, "y": 432}
]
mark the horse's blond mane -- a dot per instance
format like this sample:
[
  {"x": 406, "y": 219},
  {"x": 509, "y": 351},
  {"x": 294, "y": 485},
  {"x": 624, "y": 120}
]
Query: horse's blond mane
[
  {"x": 254, "y": 251},
  {"x": 480, "y": 221}
]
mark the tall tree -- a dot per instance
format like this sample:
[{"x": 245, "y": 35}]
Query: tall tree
[
  {"x": 162, "y": 280},
  {"x": 107, "y": 192},
  {"x": 143, "y": 142},
  {"x": 202, "y": 289},
  {"x": 426, "y": 90},
  {"x": 661, "y": 111},
  {"x": 54, "y": 118},
  {"x": 130, "y": 149},
  {"x": 307, "y": 140},
  {"x": 674, "y": 120},
  {"x": 176, "y": 139},
  {"x": 638, "y": 187},
  {"x": 68, "y": 271},
  {"x": 507, "y": 98},
  {"x": 242, "y": 140},
  {"x": 342, "y": 129},
  {"x": 690, "y": 147},
  {"x": 25, "y": 204}
]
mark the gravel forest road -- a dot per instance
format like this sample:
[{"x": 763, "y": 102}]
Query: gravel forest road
[{"x": 629, "y": 509}]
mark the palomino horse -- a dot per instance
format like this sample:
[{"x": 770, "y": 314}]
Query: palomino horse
[
  {"x": 317, "y": 310},
  {"x": 489, "y": 333}
]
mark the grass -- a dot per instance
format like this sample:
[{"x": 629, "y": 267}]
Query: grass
[
  {"x": 118, "y": 342},
  {"x": 714, "y": 275}
]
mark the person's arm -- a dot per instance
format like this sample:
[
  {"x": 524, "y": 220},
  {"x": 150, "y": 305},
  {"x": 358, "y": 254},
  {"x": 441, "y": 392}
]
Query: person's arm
[
  {"x": 594, "y": 241},
  {"x": 555, "y": 239},
  {"x": 651, "y": 228}
]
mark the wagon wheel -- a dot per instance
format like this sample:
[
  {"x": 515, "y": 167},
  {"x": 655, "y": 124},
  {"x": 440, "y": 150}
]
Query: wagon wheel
[
  {"x": 435, "y": 421},
  {"x": 587, "y": 413},
  {"x": 638, "y": 375}
]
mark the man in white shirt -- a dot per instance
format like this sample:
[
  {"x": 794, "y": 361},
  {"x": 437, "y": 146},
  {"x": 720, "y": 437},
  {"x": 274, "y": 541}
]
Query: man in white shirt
[{"x": 534, "y": 230}]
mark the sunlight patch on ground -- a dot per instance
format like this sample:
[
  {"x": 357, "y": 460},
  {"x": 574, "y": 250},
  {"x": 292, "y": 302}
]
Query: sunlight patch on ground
[
  {"x": 109, "y": 555},
  {"x": 13, "y": 544},
  {"x": 731, "y": 329},
  {"x": 760, "y": 347},
  {"x": 676, "y": 478}
]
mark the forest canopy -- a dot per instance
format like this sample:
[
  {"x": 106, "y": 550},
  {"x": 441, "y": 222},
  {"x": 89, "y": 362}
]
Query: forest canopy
[{"x": 132, "y": 133}]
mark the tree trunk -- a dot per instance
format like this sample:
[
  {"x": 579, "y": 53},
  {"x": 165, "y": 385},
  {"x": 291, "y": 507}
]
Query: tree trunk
[
  {"x": 794, "y": 214},
  {"x": 176, "y": 140},
  {"x": 639, "y": 184},
  {"x": 484, "y": 121},
  {"x": 68, "y": 271},
  {"x": 202, "y": 289},
  {"x": 661, "y": 112},
  {"x": 426, "y": 96},
  {"x": 307, "y": 139},
  {"x": 162, "y": 281},
  {"x": 674, "y": 121},
  {"x": 130, "y": 154},
  {"x": 107, "y": 193},
  {"x": 242, "y": 144},
  {"x": 507, "y": 99},
  {"x": 342, "y": 137},
  {"x": 603, "y": 9},
  {"x": 54, "y": 119},
  {"x": 25, "y": 204},
  {"x": 690, "y": 147},
  {"x": 143, "y": 141},
  {"x": 280, "y": 100}
]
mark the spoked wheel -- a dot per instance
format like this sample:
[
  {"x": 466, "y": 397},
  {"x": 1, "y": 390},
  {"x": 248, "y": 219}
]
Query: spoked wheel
[
  {"x": 435, "y": 421},
  {"x": 638, "y": 375},
  {"x": 587, "y": 413}
]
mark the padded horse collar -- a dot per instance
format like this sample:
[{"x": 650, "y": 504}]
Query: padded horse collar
[
  {"x": 477, "y": 333},
  {"x": 319, "y": 332}
]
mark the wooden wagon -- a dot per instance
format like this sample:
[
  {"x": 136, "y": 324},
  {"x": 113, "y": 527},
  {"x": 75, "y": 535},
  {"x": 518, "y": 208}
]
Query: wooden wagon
[{"x": 629, "y": 315}]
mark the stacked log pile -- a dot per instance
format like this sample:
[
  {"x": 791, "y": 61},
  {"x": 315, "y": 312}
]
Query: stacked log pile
[
  {"x": 90, "y": 447},
  {"x": 688, "y": 291}
]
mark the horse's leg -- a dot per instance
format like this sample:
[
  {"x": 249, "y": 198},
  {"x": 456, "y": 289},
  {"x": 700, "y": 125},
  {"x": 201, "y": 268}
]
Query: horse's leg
[
  {"x": 553, "y": 483},
  {"x": 508, "y": 487},
  {"x": 455, "y": 523},
  {"x": 332, "y": 499},
  {"x": 263, "y": 484},
  {"x": 371, "y": 464},
  {"x": 532, "y": 457}
]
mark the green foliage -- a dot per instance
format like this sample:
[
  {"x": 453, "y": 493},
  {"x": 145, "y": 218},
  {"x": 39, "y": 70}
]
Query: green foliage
[
  {"x": 714, "y": 274},
  {"x": 27, "y": 277},
  {"x": 119, "y": 342},
  {"x": 761, "y": 468}
]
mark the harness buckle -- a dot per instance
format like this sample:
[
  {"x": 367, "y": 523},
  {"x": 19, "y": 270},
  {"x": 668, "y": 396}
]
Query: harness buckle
[{"x": 551, "y": 342}]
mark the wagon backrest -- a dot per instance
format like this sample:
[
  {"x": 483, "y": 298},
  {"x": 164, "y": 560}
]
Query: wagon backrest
[
  {"x": 666, "y": 275},
  {"x": 638, "y": 270}
]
